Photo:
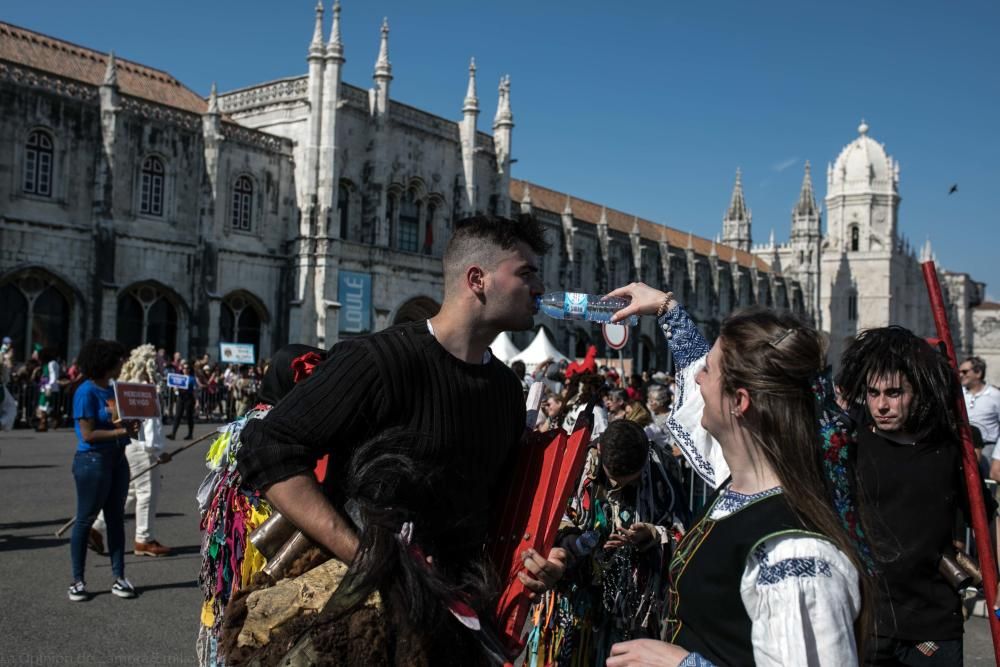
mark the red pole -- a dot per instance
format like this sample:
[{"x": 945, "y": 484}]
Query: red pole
[{"x": 973, "y": 482}]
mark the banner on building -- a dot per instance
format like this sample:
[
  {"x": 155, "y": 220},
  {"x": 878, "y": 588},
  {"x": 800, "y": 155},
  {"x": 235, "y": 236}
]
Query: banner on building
[
  {"x": 236, "y": 353},
  {"x": 354, "y": 291},
  {"x": 136, "y": 401}
]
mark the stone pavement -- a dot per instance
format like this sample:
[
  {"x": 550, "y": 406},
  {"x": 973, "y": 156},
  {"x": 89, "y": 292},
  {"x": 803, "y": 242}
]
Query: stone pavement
[{"x": 40, "y": 626}]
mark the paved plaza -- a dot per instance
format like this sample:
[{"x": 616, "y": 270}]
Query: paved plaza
[{"x": 42, "y": 627}]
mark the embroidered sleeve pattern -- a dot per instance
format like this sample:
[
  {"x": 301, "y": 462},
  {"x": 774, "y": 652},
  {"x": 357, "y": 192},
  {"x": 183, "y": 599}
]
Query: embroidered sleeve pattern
[
  {"x": 695, "y": 660},
  {"x": 682, "y": 334},
  {"x": 769, "y": 574},
  {"x": 802, "y": 596}
]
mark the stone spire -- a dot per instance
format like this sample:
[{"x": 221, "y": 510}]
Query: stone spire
[
  {"x": 526, "y": 199},
  {"x": 635, "y": 239},
  {"x": 471, "y": 104},
  {"x": 503, "y": 115},
  {"x": 927, "y": 253},
  {"x": 806, "y": 205},
  {"x": 213, "y": 100},
  {"x": 569, "y": 229},
  {"x": 383, "y": 68},
  {"x": 737, "y": 204},
  {"x": 335, "y": 48},
  {"x": 602, "y": 236},
  {"x": 736, "y": 223},
  {"x": 467, "y": 134},
  {"x": 503, "y": 124},
  {"x": 111, "y": 72},
  {"x": 316, "y": 45}
]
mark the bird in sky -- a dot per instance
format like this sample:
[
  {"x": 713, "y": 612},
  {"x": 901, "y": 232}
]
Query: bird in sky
[{"x": 954, "y": 189}]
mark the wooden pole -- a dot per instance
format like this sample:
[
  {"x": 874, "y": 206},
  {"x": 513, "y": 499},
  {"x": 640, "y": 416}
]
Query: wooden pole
[
  {"x": 970, "y": 465},
  {"x": 69, "y": 524}
]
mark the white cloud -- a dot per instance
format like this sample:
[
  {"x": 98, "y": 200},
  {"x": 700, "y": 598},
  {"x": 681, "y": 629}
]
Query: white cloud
[{"x": 784, "y": 164}]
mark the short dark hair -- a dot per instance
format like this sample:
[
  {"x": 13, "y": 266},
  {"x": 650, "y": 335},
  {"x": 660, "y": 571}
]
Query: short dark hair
[
  {"x": 978, "y": 365},
  {"x": 624, "y": 448},
  {"x": 98, "y": 357},
  {"x": 479, "y": 237},
  {"x": 890, "y": 351},
  {"x": 518, "y": 368}
]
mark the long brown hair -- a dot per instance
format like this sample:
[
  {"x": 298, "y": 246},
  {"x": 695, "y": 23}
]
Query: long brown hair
[{"x": 775, "y": 358}]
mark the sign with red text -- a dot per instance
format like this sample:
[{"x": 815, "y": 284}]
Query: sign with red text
[{"x": 136, "y": 400}]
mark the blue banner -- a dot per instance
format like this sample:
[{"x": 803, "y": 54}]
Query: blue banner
[{"x": 354, "y": 291}]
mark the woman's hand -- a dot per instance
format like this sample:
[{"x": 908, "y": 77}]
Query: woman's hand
[
  {"x": 645, "y": 653},
  {"x": 646, "y": 300}
]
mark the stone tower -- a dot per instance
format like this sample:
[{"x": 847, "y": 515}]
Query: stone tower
[
  {"x": 736, "y": 223},
  {"x": 806, "y": 244}
]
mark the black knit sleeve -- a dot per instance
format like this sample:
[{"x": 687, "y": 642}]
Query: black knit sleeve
[{"x": 329, "y": 411}]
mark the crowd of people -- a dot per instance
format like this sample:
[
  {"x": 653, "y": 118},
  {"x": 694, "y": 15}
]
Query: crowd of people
[
  {"x": 42, "y": 387},
  {"x": 357, "y": 492}
]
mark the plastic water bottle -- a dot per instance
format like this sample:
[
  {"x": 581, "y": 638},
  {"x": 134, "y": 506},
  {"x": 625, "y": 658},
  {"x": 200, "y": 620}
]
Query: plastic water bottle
[{"x": 579, "y": 306}]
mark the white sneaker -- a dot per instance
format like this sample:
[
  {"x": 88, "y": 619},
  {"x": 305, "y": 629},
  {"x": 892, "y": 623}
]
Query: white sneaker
[
  {"x": 123, "y": 588},
  {"x": 78, "y": 592}
]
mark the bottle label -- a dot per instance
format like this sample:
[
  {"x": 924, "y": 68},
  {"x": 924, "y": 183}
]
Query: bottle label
[{"x": 575, "y": 303}]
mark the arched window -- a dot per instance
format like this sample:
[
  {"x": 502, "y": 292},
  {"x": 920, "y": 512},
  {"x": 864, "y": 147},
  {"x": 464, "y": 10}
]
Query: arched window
[
  {"x": 35, "y": 308},
  {"x": 242, "y": 204},
  {"x": 409, "y": 223},
  {"x": 240, "y": 320},
  {"x": 151, "y": 187},
  {"x": 38, "y": 164},
  {"x": 429, "y": 232},
  {"x": 147, "y": 315},
  {"x": 855, "y": 238},
  {"x": 343, "y": 208}
]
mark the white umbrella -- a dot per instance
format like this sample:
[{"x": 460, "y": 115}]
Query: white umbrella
[
  {"x": 503, "y": 348},
  {"x": 540, "y": 349}
]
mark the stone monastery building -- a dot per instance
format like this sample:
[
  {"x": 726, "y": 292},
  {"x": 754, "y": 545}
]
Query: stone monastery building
[{"x": 308, "y": 209}]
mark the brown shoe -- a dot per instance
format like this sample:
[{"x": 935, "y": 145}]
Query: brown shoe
[
  {"x": 151, "y": 548},
  {"x": 95, "y": 542}
]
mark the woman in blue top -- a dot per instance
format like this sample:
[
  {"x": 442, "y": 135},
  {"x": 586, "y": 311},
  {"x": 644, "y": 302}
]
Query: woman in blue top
[{"x": 100, "y": 469}]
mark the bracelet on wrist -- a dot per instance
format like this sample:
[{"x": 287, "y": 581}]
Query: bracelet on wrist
[{"x": 665, "y": 304}]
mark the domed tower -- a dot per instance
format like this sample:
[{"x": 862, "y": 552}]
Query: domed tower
[{"x": 862, "y": 197}]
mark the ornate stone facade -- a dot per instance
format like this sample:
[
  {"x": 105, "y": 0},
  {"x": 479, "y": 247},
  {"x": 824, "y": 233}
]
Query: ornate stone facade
[
  {"x": 863, "y": 273},
  {"x": 302, "y": 209}
]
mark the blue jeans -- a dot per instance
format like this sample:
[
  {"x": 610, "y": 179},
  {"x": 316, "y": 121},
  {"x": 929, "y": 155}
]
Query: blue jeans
[{"x": 101, "y": 484}]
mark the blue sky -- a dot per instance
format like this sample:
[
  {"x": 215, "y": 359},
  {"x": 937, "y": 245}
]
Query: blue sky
[{"x": 648, "y": 107}]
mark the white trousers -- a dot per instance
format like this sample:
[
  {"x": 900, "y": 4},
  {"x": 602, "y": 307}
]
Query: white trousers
[{"x": 143, "y": 492}]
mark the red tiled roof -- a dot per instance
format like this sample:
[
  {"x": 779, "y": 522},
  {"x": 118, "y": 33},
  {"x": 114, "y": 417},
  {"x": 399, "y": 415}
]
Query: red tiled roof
[
  {"x": 67, "y": 60},
  {"x": 550, "y": 200},
  {"x": 988, "y": 305}
]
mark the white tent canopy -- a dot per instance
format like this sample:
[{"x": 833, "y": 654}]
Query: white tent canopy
[
  {"x": 503, "y": 348},
  {"x": 540, "y": 349}
]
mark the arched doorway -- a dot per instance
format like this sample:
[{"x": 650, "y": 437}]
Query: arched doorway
[
  {"x": 35, "y": 309},
  {"x": 417, "y": 309},
  {"x": 148, "y": 313},
  {"x": 240, "y": 319}
]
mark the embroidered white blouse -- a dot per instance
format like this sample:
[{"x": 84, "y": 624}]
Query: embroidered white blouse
[{"x": 801, "y": 592}]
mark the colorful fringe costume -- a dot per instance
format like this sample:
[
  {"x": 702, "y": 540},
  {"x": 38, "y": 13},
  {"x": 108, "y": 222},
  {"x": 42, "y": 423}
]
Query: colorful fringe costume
[
  {"x": 230, "y": 512},
  {"x": 609, "y": 596}
]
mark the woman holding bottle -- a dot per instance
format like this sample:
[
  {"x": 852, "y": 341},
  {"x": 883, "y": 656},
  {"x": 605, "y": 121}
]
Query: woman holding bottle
[{"x": 773, "y": 571}]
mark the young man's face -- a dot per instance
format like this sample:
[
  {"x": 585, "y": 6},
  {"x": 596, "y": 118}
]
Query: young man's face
[
  {"x": 512, "y": 287},
  {"x": 889, "y": 401}
]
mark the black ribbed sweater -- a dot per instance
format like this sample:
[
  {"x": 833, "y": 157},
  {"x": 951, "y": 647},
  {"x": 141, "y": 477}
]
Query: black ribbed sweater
[{"x": 400, "y": 380}]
